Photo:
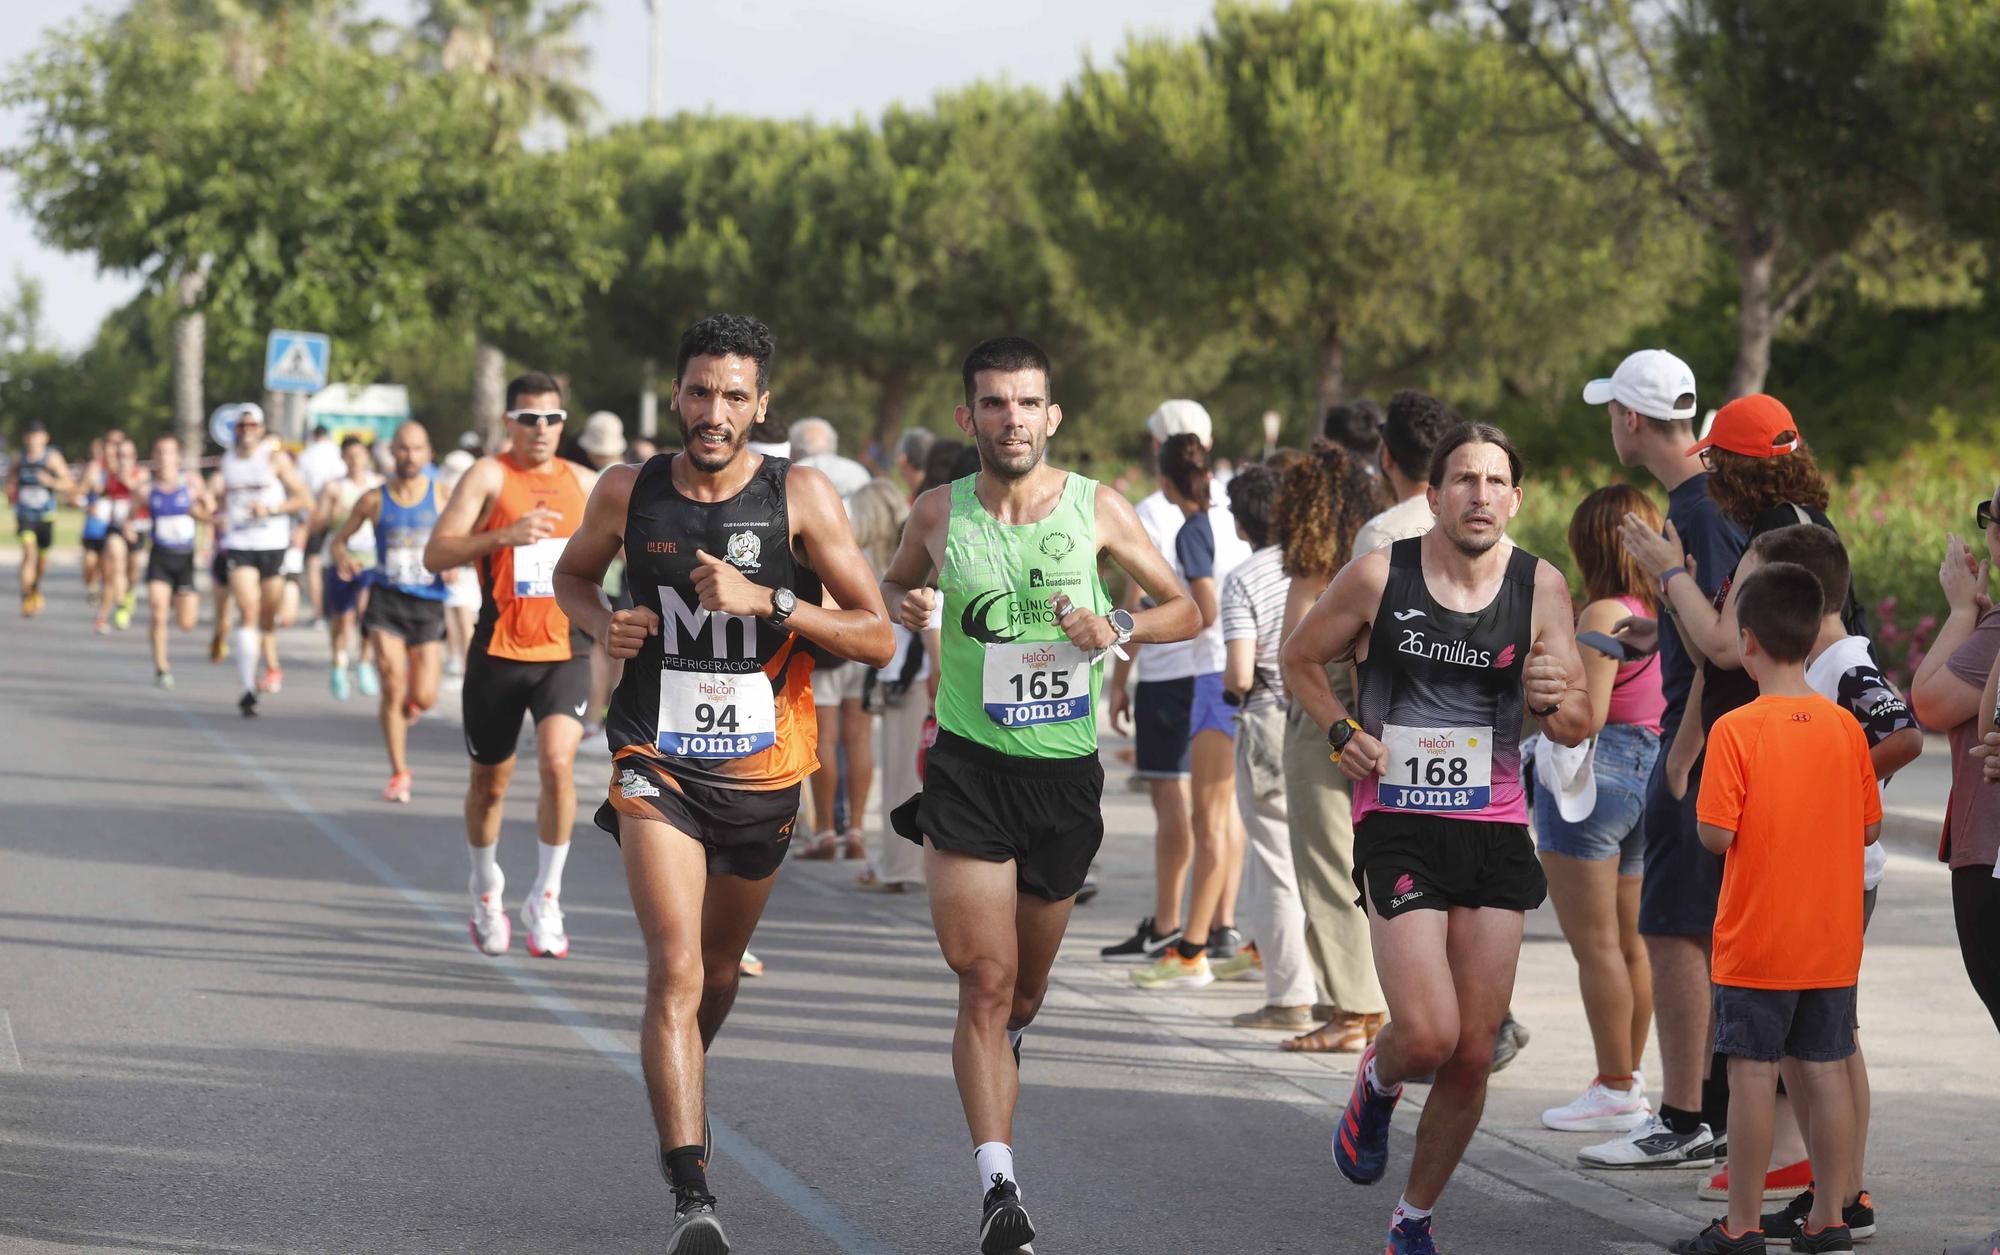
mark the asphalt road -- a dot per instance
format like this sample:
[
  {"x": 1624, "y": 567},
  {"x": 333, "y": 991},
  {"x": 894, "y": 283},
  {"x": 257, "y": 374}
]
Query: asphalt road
[{"x": 239, "y": 1012}]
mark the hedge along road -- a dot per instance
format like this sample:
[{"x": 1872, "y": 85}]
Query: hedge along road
[{"x": 247, "y": 1018}]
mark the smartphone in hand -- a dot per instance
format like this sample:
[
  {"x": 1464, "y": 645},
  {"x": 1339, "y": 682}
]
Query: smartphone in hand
[{"x": 1609, "y": 646}]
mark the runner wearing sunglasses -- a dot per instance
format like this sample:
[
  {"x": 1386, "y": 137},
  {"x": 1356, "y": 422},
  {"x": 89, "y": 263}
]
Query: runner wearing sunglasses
[{"x": 511, "y": 514}]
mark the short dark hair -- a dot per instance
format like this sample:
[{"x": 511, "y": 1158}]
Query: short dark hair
[
  {"x": 1184, "y": 464},
  {"x": 1817, "y": 549},
  {"x": 1356, "y": 427},
  {"x": 1473, "y": 433},
  {"x": 768, "y": 430},
  {"x": 1252, "y": 492},
  {"x": 965, "y": 461},
  {"x": 729, "y": 335},
  {"x": 532, "y": 384},
  {"x": 1781, "y": 605},
  {"x": 1006, "y": 353},
  {"x": 349, "y": 441},
  {"x": 1411, "y": 428},
  {"x": 319, "y": 429}
]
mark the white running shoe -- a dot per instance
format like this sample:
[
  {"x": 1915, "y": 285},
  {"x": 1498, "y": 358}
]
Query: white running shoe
[
  {"x": 490, "y": 928},
  {"x": 1651, "y": 1144},
  {"x": 1601, "y": 1109},
  {"x": 543, "y": 919}
]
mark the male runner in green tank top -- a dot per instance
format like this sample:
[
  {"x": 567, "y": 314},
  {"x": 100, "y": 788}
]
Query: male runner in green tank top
[{"x": 1012, "y": 807}]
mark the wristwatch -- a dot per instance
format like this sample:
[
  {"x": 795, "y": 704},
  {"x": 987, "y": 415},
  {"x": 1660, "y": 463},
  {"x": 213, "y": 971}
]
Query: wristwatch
[
  {"x": 1339, "y": 735},
  {"x": 783, "y": 602},
  {"x": 1543, "y": 714},
  {"x": 1123, "y": 624}
]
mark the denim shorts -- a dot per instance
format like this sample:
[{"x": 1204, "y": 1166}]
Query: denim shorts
[
  {"x": 1816, "y": 1025},
  {"x": 1624, "y": 761}
]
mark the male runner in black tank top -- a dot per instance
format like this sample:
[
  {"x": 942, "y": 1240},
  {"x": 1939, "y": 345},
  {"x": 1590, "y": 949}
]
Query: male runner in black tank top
[
  {"x": 1456, "y": 634},
  {"x": 711, "y": 727}
]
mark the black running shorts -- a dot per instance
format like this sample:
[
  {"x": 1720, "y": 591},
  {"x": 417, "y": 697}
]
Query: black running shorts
[
  {"x": 1409, "y": 862},
  {"x": 1161, "y": 712},
  {"x": 1045, "y": 815},
  {"x": 43, "y": 530},
  {"x": 171, "y": 566},
  {"x": 745, "y": 832},
  {"x": 1683, "y": 881},
  {"x": 416, "y": 620},
  {"x": 268, "y": 563},
  {"x": 499, "y": 691}
]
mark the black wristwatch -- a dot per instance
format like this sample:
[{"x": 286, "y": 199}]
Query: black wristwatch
[
  {"x": 1543, "y": 714},
  {"x": 1339, "y": 735},
  {"x": 783, "y": 602}
]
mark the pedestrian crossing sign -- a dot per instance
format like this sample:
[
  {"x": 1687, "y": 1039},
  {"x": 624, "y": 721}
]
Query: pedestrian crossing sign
[{"x": 295, "y": 361}]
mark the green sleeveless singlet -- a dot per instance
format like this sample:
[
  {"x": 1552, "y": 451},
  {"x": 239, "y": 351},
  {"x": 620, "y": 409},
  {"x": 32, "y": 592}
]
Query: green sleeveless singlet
[{"x": 1010, "y": 680}]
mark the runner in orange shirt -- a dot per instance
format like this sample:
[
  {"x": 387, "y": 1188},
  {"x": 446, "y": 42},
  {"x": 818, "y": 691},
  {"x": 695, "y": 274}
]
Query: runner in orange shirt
[{"x": 511, "y": 514}]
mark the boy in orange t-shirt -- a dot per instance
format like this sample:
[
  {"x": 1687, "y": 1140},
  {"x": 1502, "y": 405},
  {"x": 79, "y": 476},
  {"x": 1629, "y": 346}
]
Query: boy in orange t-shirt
[{"x": 1789, "y": 795}]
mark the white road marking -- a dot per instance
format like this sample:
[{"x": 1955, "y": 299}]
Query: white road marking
[{"x": 10, "y": 1058}]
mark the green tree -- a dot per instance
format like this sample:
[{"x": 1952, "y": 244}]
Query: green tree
[
  {"x": 1772, "y": 125},
  {"x": 1341, "y": 183}
]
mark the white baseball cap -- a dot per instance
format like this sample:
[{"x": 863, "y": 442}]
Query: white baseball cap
[
  {"x": 1181, "y": 418},
  {"x": 1650, "y": 382}
]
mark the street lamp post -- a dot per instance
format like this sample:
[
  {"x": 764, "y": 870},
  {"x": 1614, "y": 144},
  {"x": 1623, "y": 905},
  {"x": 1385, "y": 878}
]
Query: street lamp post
[{"x": 656, "y": 104}]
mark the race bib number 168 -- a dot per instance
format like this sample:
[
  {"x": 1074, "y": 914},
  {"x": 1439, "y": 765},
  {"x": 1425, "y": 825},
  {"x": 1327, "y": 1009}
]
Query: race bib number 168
[{"x": 1438, "y": 770}]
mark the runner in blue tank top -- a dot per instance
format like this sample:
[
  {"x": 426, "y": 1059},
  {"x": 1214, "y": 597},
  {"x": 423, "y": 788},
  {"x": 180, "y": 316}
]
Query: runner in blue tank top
[
  {"x": 35, "y": 482},
  {"x": 404, "y": 617},
  {"x": 175, "y": 500},
  {"x": 1455, "y": 634}
]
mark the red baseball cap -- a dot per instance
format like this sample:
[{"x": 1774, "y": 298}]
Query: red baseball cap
[{"x": 1756, "y": 426}]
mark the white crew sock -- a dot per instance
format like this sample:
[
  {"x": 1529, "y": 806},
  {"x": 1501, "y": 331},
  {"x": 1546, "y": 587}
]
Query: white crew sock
[
  {"x": 991, "y": 1158},
  {"x": 1014, "y": 1036},
  {"x": 548, "y": 873},
  {"x": 1375, "y": 1081},
  {"x": 248, "y": 642},
  {"x": 488, "y": 881},
  {"x": 1407, "y": 1210}
]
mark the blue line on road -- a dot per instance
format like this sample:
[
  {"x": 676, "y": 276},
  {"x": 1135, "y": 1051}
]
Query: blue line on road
[{"x": 772, "y": 1175}]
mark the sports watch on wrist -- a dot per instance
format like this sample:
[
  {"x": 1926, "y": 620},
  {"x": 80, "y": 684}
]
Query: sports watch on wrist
[
  {"x": 783, "y": 602},
  {"x": 1123, "y": 624},
  {"x": 1339, "y": 735}
]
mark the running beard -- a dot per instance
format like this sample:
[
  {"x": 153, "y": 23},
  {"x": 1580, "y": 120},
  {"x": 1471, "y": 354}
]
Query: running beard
[
  {"x": 1471, "y": 547},
  {"x": 989, "y": 460},
  {"x": 701, "y": 459}
]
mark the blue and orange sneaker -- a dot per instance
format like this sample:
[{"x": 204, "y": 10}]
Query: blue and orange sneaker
[
  {"x": 1361, "y": 1141},
  {"x": 1411, "y": 1237}
]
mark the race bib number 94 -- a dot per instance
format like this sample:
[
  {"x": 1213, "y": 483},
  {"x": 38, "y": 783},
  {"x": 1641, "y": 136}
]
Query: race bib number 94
[
  {"x": 1029, "y": 683},
  {"x": 535, "y": 567},
  {"x": 705, "y": 714},
  {"x": 1438, "y": 770}
]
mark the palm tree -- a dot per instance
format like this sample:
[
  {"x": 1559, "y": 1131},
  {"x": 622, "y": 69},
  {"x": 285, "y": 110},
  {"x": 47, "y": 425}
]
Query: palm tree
[{"x": 525, "y": 59}]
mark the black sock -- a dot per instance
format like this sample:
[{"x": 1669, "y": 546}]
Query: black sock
[
  {"x": 1678, "y": 1120},
  {"x": 1715, "y": 1097},
  {"x": 1190, "y": 950},
  {"x": 686, "y": 1170}
]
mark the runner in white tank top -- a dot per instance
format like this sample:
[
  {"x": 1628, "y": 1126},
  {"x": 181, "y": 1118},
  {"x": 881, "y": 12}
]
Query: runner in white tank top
[{"x": 260, "y": 490}]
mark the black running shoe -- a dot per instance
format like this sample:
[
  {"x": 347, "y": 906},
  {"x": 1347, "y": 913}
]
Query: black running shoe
[
  {"x": 1713, "y": 1241},
  {"x": 1835, "y": 1237},
  {"x": 1859, "y": 1217},
  {"x": 1780, "y": 1225},
  {"x": 696, "y": 1231},
  {"x": 1087, "y": 892},
  {"x": 1004, "y": 1227},
  {"x": 1143, "y": 946},
  {"x": 248, "y": 704},
  {"x": 1224, "y": 942}
]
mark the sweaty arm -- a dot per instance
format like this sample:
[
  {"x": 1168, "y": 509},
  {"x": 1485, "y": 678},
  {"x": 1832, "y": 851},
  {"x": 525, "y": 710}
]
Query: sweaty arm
[
  {"x": 453, "y": 542},
  {"x": 859, "y": 627},
  {"x": 1329, "y": 632},
  {"x": 1173, "y": 615},
  {"x": 297, "y": 496},
  {"x": 1554, "y": 664},
  {"x": 579, "y": 575},
  {"x": 367, "y": 508}
]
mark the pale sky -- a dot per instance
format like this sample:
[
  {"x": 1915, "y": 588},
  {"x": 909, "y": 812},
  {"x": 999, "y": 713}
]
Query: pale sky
[{"x": 832, "y": 59}]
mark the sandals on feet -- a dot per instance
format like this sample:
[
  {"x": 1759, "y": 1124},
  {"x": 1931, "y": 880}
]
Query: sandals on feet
[
  {"x": 853, "y": 844},
  {"x": 1343, "y": 1034},
  {"x": 823, "y": 848}
]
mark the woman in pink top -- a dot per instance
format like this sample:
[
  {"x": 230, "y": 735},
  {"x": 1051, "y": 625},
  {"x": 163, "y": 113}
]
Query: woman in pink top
[{"x": 1594, "y": 864}]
